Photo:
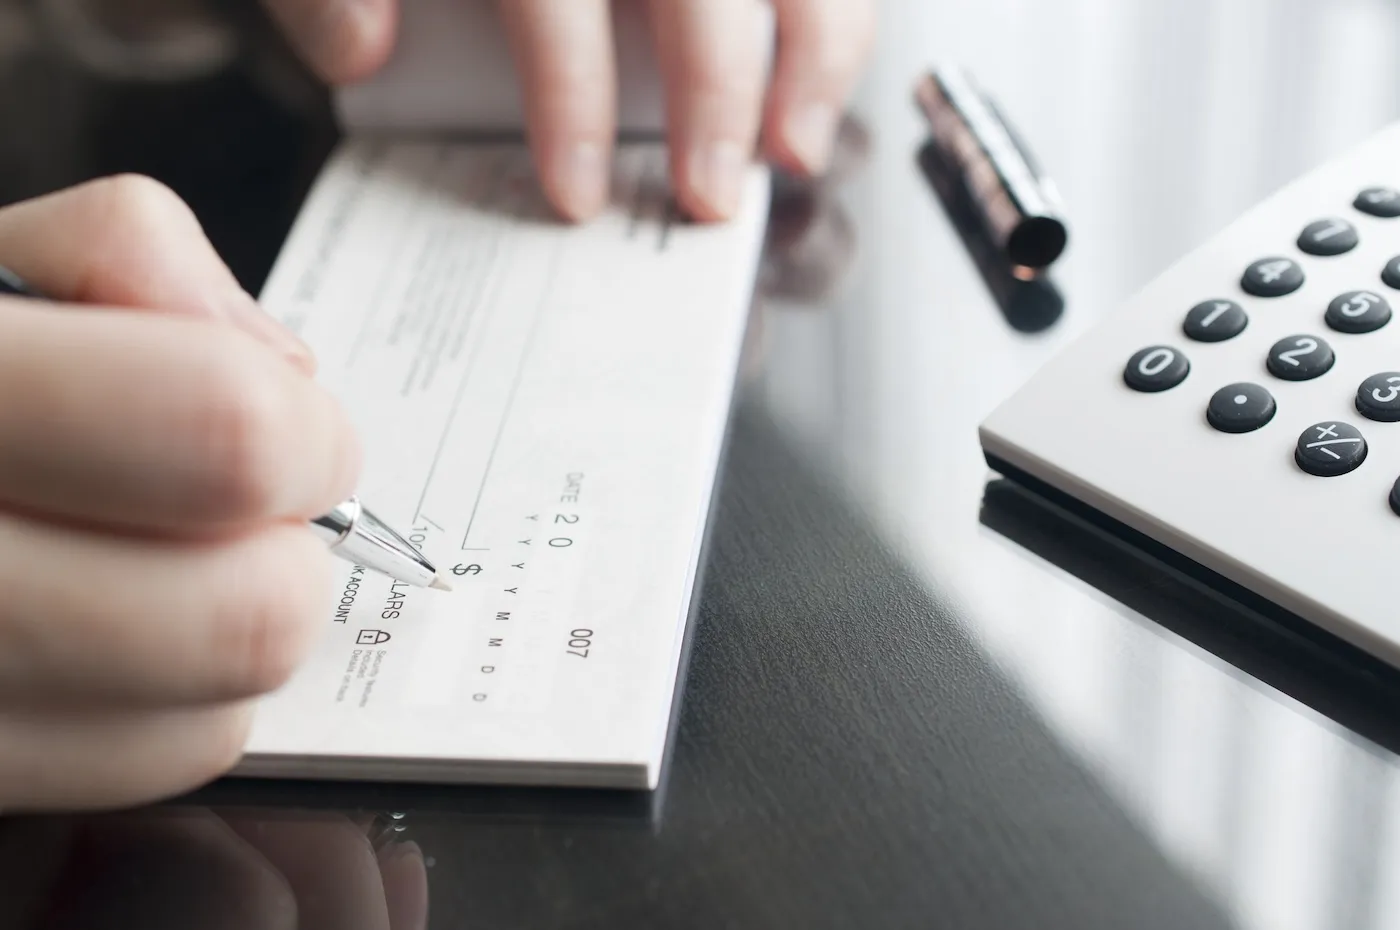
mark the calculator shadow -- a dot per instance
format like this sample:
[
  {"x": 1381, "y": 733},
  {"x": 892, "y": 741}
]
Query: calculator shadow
[{"x": 1270, "y": 645}]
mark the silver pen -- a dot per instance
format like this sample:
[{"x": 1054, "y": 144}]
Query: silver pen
[
  {"x": 355, "y": 534},
  {"x": 351, "y": 531}
]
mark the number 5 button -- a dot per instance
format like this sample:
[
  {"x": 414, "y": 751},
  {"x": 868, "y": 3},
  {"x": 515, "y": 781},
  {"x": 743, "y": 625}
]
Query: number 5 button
[
  {"x": 1378, "y": 398},
  {"x": 1358, "y": 312}
]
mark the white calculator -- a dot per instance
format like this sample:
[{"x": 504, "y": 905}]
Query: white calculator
[{"x": 1243, "y": 410}]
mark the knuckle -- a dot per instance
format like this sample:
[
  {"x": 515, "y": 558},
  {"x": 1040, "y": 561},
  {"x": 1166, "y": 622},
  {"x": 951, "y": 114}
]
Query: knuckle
[
  {"x": 137, "y": 199},
  {"x": 243, "y": 430},
  {"x": 266, "y": 621}
]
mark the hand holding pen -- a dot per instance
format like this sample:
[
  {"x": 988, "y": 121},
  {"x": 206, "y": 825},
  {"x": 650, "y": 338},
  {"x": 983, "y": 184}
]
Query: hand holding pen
[{"x": 163, "y": 446}]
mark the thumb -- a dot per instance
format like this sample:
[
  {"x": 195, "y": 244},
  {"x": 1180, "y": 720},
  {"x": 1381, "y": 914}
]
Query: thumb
[{"x": 128, "y": 241}]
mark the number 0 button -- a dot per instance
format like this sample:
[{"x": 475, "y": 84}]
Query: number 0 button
[
  {"x": 1378, "y": 398},
  {"x": 1330, "y": 449},
  {"x": 1358, "y": 312},
  {"x": 1272, "y": 277},
  {"x": 1156, "y": 368},
  {"x": 1300, "y": 358},
  {"x": 1240, "y": 408}
]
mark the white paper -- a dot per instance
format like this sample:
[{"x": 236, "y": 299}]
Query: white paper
[{"x": 543, "y": 408}]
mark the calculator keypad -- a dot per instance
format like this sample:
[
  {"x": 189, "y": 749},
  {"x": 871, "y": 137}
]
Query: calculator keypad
[{"x": 1326, "y": 449}]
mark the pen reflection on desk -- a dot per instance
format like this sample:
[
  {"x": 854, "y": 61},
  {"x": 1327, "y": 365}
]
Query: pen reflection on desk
[{"x": 351, "y": 531}]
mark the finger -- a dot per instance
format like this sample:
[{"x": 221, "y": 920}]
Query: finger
[
  {"x": 328, "y": 863},
  {"x": 405, "y": 874},
  {"x": 152, "y": 422},
  {"x": 341, "y": 40},
  {"x": 60, "y": 760},
  {"x": 712, "y": 64},
  {"x": 822, "y": 46},
  {"x": 100, "y": 621},
  {"x": 128, "y": 241},
  {"x": 169, "y": 870},
  {"x": 563, "y": 51}
]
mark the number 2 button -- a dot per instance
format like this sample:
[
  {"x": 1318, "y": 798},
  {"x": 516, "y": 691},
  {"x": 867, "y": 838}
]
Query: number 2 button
[
  {"x": 1156, "y": 368},
  {"x": 1300, "y": 358}
]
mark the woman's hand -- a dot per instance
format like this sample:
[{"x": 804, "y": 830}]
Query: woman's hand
[
  {"x": 719, "y": 108},
  {"x": 161, "y": 447}
]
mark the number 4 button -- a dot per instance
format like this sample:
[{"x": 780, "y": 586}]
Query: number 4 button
[{"x": 1272, "y": 277}]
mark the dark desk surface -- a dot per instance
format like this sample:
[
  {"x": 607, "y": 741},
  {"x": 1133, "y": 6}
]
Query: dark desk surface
[{"x": 916, "y": 699}]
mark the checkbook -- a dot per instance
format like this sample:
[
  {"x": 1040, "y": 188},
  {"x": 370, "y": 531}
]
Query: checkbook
[{"x": 543, "y": 409}]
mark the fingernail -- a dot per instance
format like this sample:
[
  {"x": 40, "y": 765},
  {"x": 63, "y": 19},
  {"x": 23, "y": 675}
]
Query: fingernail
[
  {"x": 404, "y": 873},
  {"x": 717, "y": 176},
  {"x": 810, "y": 132},
  {"x": 580, "y": 180},
  {"x": 247, "y": 314}
]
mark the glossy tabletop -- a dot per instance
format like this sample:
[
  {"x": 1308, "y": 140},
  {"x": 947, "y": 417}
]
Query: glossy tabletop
[{"x": 916, "y": 698}]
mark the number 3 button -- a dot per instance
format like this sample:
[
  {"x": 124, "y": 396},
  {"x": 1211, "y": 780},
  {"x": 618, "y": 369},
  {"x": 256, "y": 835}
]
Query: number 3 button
[
  {"x": 1378, "y": 398},
  {"x": 1300, "y": 358},
  {"x": 1156, "y": 368}
]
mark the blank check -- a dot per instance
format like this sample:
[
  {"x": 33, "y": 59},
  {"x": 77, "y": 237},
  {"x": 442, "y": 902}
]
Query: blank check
[{"x": 543, "y": 409}]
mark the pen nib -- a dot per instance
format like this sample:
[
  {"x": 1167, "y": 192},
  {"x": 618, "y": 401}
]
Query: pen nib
[{"x": 440, "y": 584}]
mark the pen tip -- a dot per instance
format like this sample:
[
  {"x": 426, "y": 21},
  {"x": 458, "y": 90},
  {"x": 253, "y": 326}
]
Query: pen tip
[{"x": 440, "y": 584}]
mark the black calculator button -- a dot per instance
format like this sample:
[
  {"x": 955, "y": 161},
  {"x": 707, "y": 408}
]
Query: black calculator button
[
  {"x": 1358, "y": 312},
  {"x": 1272, "y": 277},
  {"x": 1330, "y": 449},
  {"x": 1215, "y": 321},
  {"x": 1300, "y": 358},
  {"x": 1378, "y": 397},
  {"x": 1329, "y": 237},
  {"x": 1395, "y": 497},
  {"x": 1156, "y": 368},
  {"x": 1379, "y": 201},
  {"x": 1390, "y": 275},
  {"x": 1240, "y": 408}
]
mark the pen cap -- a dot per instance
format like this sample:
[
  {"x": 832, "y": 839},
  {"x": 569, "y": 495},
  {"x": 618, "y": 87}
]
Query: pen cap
[{"x": 1017, "y": 205}]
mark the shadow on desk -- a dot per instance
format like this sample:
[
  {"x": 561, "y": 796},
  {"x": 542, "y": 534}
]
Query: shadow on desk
[{"x": 1282, "y": 651}]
